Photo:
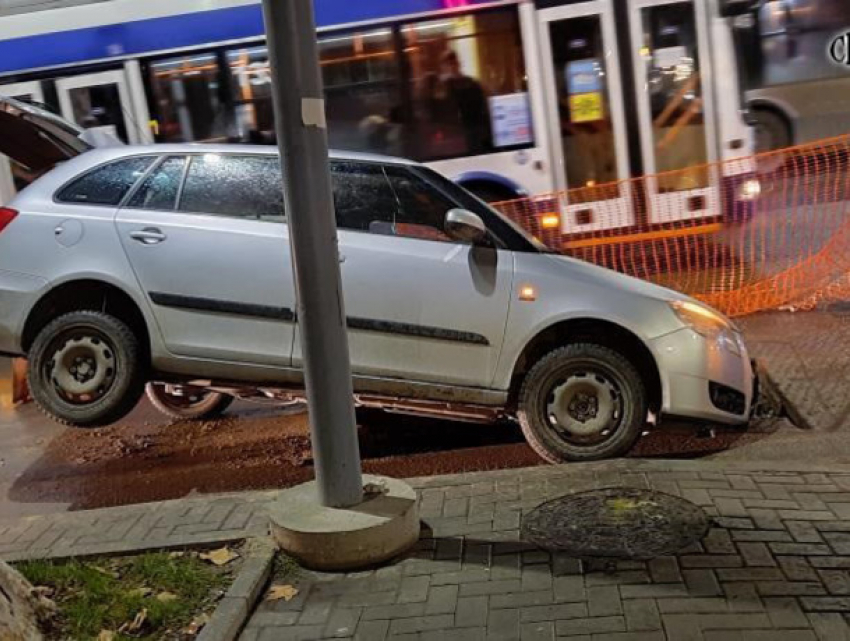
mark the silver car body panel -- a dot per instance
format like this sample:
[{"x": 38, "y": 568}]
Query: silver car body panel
[{"x": 430, "y": 320}]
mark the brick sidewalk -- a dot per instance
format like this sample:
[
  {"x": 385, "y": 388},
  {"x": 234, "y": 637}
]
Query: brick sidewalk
[{"x": 774, "y": 566}]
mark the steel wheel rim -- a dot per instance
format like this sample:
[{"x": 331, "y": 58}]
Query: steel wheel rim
[
  {"x": 585, "y": 406},
  {"x": 82, "y": 365}
]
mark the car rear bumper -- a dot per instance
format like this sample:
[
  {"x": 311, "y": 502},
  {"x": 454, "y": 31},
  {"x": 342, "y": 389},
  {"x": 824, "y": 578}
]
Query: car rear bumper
[
  {"x": 18, "y": 293},
  {"x": 705, "y": 379}
]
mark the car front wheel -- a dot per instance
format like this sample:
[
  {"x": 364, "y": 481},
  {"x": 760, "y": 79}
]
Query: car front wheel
[
  {"x": 582, "y": 402},
  {"x": 86, "y": 369},
  {"x": 182, "y": 402}
]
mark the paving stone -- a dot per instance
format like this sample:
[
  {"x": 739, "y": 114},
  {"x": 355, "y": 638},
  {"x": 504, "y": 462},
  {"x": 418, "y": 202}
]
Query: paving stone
[
  {"x": 731, "y": 508},
  {"x": 420, "y": 624},
  {"x": 442, "y": 599},
  {"x": 790, "y": 588},
  {"x": 760, "y": 635},
  {"x": 756, "y": 555},
  {"x": 474, "y": 575},
  {"x": 626, "y": 577},
  {"x": 628, "y": 636},
  {"x": 682, "y": 627},
  {"x": 503, "y": 625},
  {"x": 292, "y": 633},
  {"x": 343, "y": 623},
  {"x": 569, "y": 588},
  {"x": 701, "y": 583},
  {"x": 397, "y": 611},
  {"x": 836, "y": 581},
  {"x": 718, "y": 541},
  {"x": 826, "y": 603},
  {"x": 785, "y": 612},
  {"x": 599, "y": 625},
  {"x": 522, "y": 599},
  {"x": 804, "y": 531},
  {"x": 829, "y": 626},
  {"x": 695, "y": 605},
  {"x": 536, "y": 578},
  {"x": 735, "y": 523},
  {"x": 766, "y": 519},
  {"x": 665, "y": 569},
  {"x": 457, "y": 634},
  {"x": 798, "y": 568},
  {"x": 537, "y": 631},
  {"x": 733, "y": 621},
  {"x": 604, "y": 601},
  {"x": 798, "y": 549},
  {"x": 471, "y": 612},
  {"x": 413, "y": 589},
  {"x": 554, "y": 612},
  {"x": 742, "y": 597},
  {"x": 763, "y": 536},
  {"x": 490, "y": 587},
  {"x": 564, "y": 565},
  {"x": 712, "y": 561},
  {"x": 830, "y": 561},
  {"x": 654, "y": 591},
  {"x": 642, "y": 615},
  {"x": 372, "y": 631}
]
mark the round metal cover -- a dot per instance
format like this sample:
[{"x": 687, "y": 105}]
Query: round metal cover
[{"x": 624, "y": 523}]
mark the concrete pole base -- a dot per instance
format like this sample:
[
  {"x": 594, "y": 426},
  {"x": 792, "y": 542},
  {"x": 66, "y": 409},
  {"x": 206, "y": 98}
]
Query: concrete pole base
[{"x": 383, "y": 526}]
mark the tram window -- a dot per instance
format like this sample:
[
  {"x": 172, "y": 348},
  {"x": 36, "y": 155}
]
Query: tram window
[
  {"x": 467, "y": 84},
  {"x": 159, "y": 191},
  {"x": 188, "y": 100},
  {"x": 235, "y": 186},
  {"x": 794, "y": 37},
  {"x": 105, "y": 185},
  {"x": 671, "y": 56}
]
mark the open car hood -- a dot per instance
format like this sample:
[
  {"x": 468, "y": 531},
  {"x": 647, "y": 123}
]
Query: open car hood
[{"x": 36, "y": 138}]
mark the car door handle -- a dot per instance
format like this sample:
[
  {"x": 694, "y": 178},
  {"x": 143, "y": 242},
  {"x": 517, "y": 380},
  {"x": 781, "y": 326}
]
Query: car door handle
[{"x": 148, "y": 235}]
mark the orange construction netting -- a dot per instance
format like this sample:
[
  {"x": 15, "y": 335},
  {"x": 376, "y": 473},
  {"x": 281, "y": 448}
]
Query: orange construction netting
[{"x": 756, "y": 233}]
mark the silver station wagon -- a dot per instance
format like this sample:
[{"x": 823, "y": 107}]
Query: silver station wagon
[{"x": 170, "y": 264}]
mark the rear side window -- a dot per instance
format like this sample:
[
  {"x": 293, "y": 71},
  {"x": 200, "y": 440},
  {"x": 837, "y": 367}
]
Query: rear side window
[
  {"x": 107, "y": 184},
  {"x": 235, "y": 186},
  {"x": 160, "y": 189}
]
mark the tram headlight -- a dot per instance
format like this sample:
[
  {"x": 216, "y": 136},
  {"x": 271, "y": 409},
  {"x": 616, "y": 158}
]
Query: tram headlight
[{"x": 749, "y": 190}]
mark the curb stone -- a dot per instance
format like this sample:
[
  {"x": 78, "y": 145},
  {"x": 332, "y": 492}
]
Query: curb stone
[{"x": 233, "y": 610}]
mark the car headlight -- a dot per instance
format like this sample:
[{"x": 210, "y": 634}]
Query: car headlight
[{"x": 708, "y": 323}]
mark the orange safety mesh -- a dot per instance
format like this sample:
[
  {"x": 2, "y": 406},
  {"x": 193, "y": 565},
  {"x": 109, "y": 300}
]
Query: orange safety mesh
[{"x": 788, "y": 246}]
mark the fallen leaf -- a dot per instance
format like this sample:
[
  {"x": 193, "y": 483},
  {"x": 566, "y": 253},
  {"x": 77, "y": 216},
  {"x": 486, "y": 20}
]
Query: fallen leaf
[
  {"x": 222, "y": 556},
  {"x": 106, "y": 635},
  {"x": 43, "y": 591},
  {"x": 176, "y": 555},
  {"x": 136, "y": 624},
  {"x": 166, "y": 597},
  {"x": 140, "y": 592},
  {"x": 196, "y": 624},
  {"x": 278, "y": 592}
]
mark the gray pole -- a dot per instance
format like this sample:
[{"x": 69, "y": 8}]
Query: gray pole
[{"x": 302, "y": 137}]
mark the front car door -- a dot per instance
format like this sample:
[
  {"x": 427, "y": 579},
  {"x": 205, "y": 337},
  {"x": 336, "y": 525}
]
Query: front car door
[
  {"x": 420, "y": 306},
  {"x": 206, "y": 237}
]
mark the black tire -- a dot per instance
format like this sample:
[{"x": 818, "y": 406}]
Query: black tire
[
  {"x": 579, "y": 373},
  {"x": 771, "y": 131},
  {"x": 192, "y": 405},
  {"x": 114, "y": 364}
]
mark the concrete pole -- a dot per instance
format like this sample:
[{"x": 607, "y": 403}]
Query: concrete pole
[{"x": 302, "y": 137}]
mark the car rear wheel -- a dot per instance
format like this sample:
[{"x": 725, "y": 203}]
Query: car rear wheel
[
  {"x": 181, "y": 402},
  {"x": 86, "y": 369},
  {"x": 582, "y": 402}
]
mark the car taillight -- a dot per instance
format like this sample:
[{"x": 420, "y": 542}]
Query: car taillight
[{"x": 7, "y": 215}]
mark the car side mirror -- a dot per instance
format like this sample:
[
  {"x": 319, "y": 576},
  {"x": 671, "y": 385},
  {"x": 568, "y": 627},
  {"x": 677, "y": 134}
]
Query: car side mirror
[{"x": 465, "y": 226}]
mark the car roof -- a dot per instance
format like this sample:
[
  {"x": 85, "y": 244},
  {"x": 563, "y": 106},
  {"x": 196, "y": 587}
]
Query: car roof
[{"x": 103, "y": 154}]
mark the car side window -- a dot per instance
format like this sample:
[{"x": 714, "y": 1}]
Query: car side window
[
  {"x": 388, "y": 200},
  {"x": 363, "y": 199},
  {"x": 421, "y": 208},
  {"x": 105, "y": 185},
  {"x": 234, "y": 186},
  {"x": 160, "y": 188}
]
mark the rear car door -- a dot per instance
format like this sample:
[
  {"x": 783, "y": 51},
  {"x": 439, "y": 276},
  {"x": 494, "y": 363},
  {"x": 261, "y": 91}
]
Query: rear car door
[
  {"x": 420, "y": 305},
  {"x": 206, "y": 237}
]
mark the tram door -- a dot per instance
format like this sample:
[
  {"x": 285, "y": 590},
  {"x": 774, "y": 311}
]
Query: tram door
[
  {"x": 668, "y": 97},
  {"x": 585, "y": 115},
  {"x": 104, "y": 101}
]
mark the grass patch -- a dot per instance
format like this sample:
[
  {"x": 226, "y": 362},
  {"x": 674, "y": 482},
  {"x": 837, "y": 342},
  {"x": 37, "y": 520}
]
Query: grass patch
[
  {"x": 107, "y": 593},
  {"x": 285, "y": 567}
]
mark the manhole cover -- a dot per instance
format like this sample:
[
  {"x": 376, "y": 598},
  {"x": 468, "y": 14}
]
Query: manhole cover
[{"x": 623, "y": 523}]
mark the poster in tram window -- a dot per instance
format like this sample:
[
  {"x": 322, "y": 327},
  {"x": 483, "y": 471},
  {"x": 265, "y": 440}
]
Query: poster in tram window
[
  {"x": 584, "y": 86},
  {"x": 511, "y": 120}
]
